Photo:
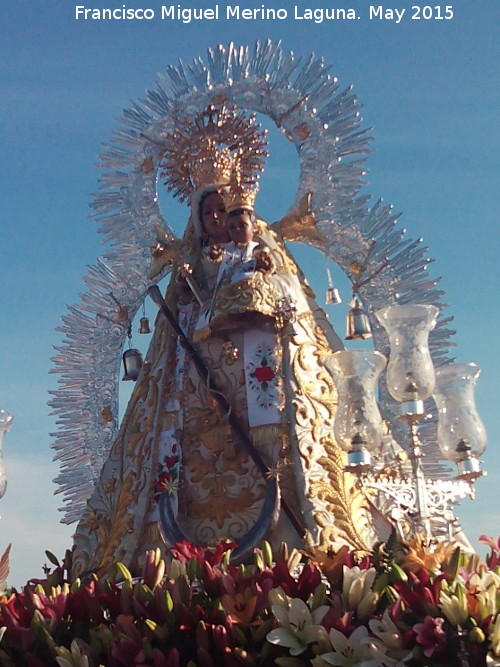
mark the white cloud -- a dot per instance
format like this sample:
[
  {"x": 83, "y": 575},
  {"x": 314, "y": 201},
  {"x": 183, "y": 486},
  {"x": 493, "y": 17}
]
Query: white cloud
[{"x": 30, "y": 520}]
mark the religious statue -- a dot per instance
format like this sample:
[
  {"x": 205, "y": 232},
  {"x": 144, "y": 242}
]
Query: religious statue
[
  {"x": 265, "y": 465},
  {"x": 229, "y": 432}
]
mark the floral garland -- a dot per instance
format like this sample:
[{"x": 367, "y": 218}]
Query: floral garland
[{"x": 403, "y": 605}]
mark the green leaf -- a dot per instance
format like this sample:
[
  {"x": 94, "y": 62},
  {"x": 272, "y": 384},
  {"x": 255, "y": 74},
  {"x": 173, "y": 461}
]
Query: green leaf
[
  {"x": 290, "y": 662},
  {"x": 239, "y": 635},
  {"x": 258, "y": 560},
  {"x": 453, "y": 564},
  {"x": 75, "y": 586},
  {"x": 319, "y": 597},
  {"x": 192, "y": 568},
  {"x": 397, "y": 573},
  {"x": 381, "y": 583},
  {"x": 169, "y": 603},
  {"x": 392, "y": 594},
  {"x": 124, "y": 572},
  {"x": 52, "y": 558},
  {"x": 267, "y": 552}
]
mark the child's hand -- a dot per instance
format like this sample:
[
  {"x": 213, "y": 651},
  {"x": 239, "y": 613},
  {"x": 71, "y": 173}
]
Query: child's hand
[
  {"x": 264, "y": 260},
  {"x": 216, "y": 252}
]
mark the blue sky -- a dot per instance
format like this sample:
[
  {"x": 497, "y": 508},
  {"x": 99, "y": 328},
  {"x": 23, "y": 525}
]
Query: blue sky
[{"x": 431, "y": 93}]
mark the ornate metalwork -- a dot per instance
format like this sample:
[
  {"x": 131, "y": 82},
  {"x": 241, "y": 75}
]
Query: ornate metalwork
[{"x": 398, "y": 500}]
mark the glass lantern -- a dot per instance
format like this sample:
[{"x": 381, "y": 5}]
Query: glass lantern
[
  {"x": 5, "y": 423},
  {"x": 358, "y": 424},
  {"x": 461, "y": 433},
  {"x": 410, "y": 372}
]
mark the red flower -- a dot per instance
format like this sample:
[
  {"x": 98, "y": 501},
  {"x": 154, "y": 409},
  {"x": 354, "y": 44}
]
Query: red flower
[
  {"x": 264, "y": 374},
  {"x": 184, "y": 551},
  {"x": 307, "y": 582},
  {"x": 430, "y": 634},
  {"x": 493, "y": 558}
]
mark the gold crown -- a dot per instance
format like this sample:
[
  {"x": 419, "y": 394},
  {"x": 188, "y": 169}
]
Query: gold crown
[
  {"x": 239, "y": 198},
  {"x": 210, "y": 148},
  {"x": 242, "y": 187}
]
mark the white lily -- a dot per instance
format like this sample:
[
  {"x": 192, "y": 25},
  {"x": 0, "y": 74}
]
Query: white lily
[
  {"x": 176, "y": 569},
  {"x": 483, "y": 579},
  {"x": 72, "y": 658},
  {"x": 387, "y": 631},
  {"x": 487, "y": 602},
  {"x": 278, "y": 598},
  {"x": 485, "y": 587},
  {"x": 494, "y": 637},
  {"x": 298, "y": 626},
  {"x": 357, "y": 585},
  {"x": 353, "y": 651},
  {"x": 454, "y": 606}
]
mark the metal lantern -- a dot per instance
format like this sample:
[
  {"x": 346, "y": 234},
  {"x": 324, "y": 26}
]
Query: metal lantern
[
  {"x": 144, "y": 327},
  {"x": 357, "y": 323},
  {"x": 358, "y": 424},
  {"x": 132, "y": 364},
  {"x": 461, "y": 433}
]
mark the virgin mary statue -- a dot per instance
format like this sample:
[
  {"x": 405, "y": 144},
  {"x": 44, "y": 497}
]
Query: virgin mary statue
[{"x": 228, "y": 433}]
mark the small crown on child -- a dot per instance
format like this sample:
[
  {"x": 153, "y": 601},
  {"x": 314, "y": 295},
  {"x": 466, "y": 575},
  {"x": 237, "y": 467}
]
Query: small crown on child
[
  {"x": 244, "y": 182},
  {"x": 237, "y": 196}
]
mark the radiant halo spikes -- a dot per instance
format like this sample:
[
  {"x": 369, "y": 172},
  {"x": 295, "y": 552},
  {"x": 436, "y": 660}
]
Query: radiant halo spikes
[{"x": 305, "y": 101}]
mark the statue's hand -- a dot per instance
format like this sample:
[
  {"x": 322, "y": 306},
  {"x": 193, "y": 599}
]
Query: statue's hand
[
  {"x": 183, "y": 272},
  {"x": 183, "y": 290},
  {"x": 165, "y": 252}
]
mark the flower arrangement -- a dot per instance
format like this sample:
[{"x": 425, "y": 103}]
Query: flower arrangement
[{"x": 414, "y": 605}]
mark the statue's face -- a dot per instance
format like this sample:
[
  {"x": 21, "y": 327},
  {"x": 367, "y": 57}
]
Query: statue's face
[
  {"x": 241, "y": 228},
  {"x": 213, "y": 218}
]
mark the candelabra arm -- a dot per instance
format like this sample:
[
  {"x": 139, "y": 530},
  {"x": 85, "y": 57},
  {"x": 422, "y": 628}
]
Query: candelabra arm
[{"x": 422, "y": 522}]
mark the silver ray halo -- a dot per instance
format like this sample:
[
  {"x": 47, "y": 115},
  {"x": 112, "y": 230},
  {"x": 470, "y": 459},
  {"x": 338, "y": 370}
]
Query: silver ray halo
[{"x": 305, "y": 101}]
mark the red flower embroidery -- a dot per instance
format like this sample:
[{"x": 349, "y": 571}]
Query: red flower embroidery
[
  {"x": 264, "y": 374},
  {"x": 170, "y": 461}
]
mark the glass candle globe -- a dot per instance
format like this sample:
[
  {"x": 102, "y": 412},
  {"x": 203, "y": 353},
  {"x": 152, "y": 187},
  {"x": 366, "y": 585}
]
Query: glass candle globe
[
  {"x": 358, "y": 424},
  {"x": 410, "y": 372},
  {"x": 5, "y": 423},
  {"x": 461, "y": 433}
]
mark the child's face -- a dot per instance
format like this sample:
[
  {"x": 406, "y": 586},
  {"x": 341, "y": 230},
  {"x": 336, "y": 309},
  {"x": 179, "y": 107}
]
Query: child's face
[{"x": 240, "y": 228}]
